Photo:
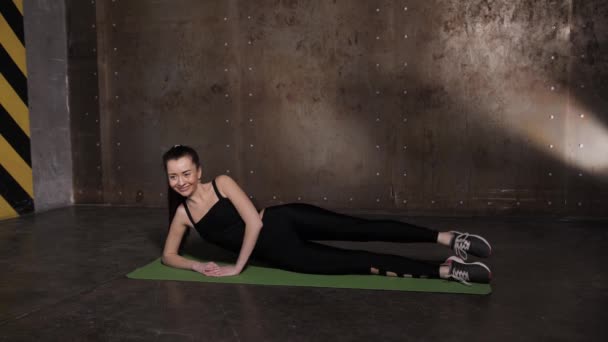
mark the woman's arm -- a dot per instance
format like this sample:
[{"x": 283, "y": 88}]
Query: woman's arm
[
  {"x": 177, "y": 230},
  {"x": 251, "y": 217},
  {"x": 249, "y": 241}
]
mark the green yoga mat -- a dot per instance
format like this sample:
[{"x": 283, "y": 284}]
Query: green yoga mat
[{"x": 271, "y": 276}]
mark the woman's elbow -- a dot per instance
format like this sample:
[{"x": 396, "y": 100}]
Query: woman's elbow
[
  {"x": 254, "y": 224},
  {"x": 165, "y": 259}
]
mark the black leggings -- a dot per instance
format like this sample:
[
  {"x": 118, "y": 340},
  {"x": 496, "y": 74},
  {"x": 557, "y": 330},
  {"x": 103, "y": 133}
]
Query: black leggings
[{"x": 284, "y": 242}]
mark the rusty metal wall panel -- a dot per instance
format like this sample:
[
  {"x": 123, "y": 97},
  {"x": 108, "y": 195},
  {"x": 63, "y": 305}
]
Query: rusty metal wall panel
[
  {"x": 431, "y": 107},
  {"x": 83, "y": 101},
  {"x": 482, "y": 83},
  {"x": 163, "y": 48},
  {"x": 587, "y": 125}
]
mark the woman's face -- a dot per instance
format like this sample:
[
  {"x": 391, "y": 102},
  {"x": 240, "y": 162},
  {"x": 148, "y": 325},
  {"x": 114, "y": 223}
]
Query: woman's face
[{"x": 183, "y": 175}]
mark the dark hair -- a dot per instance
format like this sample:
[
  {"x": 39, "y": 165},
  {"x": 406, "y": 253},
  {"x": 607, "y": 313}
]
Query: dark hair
[{"x": 175, "y": 199}]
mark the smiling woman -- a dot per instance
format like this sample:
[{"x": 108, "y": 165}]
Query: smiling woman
[
  {"x": 175, "y": 199},
  {"x": 222, "y": 213},
  {"x": 183, "y": 176},
  {"x": 186, "y": 191}
]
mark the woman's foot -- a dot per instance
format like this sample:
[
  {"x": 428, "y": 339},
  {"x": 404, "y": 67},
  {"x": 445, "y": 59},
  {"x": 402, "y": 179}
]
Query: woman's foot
[
  {"x": 466, "y": 273},
  {"x": 464, "y": 244}
]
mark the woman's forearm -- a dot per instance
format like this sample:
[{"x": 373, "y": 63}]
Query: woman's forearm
[
  {"x": 249, "y": 241},
  {"x": 177, "y": 261}
]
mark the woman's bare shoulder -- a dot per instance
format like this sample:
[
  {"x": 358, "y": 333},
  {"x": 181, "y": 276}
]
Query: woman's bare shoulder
[
  {"x": 224, "y": 182},
  {"x": 180, "y": 215}
]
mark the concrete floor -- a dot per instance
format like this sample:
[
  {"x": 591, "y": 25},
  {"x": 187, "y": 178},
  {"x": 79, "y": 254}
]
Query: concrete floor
[{"x": 62, "y": 277}]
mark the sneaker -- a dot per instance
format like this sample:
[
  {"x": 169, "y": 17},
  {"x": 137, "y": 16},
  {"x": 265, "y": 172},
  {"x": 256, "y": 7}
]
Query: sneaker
[
  {"x": 465, "y": 243},
  {"x": 467, "y": 273}
]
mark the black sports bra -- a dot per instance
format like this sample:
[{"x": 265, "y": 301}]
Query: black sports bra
[{"x": 222, "y": 224}]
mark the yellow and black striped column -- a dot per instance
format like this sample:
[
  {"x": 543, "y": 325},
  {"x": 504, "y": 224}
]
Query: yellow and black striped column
[{"x": 16, "y": 184}]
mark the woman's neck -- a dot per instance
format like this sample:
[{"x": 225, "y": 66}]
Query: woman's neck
[{"x": 200, "y": 194}]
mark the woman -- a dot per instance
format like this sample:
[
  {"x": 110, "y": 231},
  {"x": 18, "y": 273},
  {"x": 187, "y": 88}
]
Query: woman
[{"x": 280, "y": 235}]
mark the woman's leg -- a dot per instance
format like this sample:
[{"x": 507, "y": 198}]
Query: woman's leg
[
  {"x": 311, "y": 257},
  {"x": 318, "y": 258},
  {"x": 280, "y": 245},
  {"x": 315, "y": 223}
]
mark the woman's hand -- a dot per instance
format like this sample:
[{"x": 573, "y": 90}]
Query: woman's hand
[
  {"x": 202, "y": 267},
  {"x": 211, "y": 269},
  {"x": 222, "y": 271}
]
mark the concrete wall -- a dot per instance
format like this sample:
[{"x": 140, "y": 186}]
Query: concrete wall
[
  {"x": 47, "y": 63},
  {"x": 429, "y": 107}
]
